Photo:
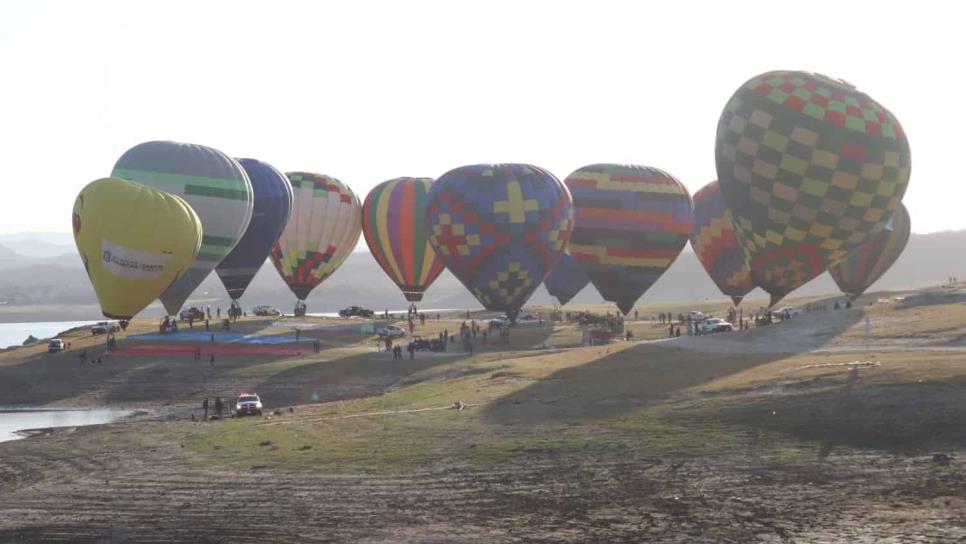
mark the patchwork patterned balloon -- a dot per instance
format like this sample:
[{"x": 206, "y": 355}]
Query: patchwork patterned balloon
[
  {"x": 214, "y": 185},
  {"x": 716, "y": 244},
  {"x": 566, "y": 279},
  {"x": 631, "y": 223},
  {"x": 393, "y": 222},
  {"x": 499, "y": 228},
  {"x": 272, "y": 206},
  {"x": 868, "y": 262},
  {"x": 811, "y": 168},
  {"x": 322, "y": 231}
]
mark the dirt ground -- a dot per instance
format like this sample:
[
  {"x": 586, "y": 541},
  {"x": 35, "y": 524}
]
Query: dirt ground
[{"x": 796, "y": 432}]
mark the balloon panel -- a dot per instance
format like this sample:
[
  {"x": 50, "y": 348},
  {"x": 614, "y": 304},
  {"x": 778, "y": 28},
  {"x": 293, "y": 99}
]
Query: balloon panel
[
  {"x": 215, "y": 186},
  {"x": 129, "y": 260},
  {"x": 811, "y": 168},
  {"x": 393, "y": 222},
  {"x": 715, "y": 243},
  {"x": 322, "y": 231},
  {"x": 499, "y": 228},
  {"x": 631, "y": 224},
  {"x": 566, "y": 280},
  {"x": 868, "y": 262},
  {"x": 272, "y": 205}
]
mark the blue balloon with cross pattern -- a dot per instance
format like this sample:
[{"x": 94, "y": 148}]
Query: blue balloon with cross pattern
[{"x": 499, "y": 228}]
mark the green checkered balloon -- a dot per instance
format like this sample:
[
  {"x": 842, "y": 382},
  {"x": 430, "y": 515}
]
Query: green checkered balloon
[{"x": 811, "y": 168}]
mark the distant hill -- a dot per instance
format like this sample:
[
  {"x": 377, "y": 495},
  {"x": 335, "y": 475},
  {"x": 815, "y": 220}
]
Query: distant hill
[{"x": 60, "y": 280}]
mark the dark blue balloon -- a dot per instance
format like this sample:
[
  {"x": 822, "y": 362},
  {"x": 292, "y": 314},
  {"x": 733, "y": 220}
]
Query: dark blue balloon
[
  {"x": 273, "y": 204},
  {"x": 566, "y": 279}
]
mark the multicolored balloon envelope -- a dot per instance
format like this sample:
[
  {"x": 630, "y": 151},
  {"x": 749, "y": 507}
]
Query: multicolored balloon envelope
[
  {"x": 716, "y": 244},
  {"x": 215, "y": 186},
  {"x": 272, "y": 206},
  {"x": 811, "y": 168},
  {"x": 322, "y": 231},
  {"x": 566, "y": 279},
  {"x": 130, "y": 261},
  {"x": 631, "y": 223},
  {"x": 393, "y": 218},
  {"x": 868, "y": 262},
  {"x": 499, "y": 228}
]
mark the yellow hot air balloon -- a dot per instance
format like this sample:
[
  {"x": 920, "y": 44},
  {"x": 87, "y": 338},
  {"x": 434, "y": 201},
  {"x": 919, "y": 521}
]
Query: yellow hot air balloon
[{"x": 135, "y": 241}]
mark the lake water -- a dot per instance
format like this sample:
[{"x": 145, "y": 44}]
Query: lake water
[
  {"x": 13, "y": 334},
  {"x": 14, "y": 419}
]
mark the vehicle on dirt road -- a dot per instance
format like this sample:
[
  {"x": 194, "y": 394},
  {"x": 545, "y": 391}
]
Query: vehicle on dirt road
[
  {"x": 696, "y": 316},
  {"x": 248, "y": 405},
  {"x": 192, "y": 314},
  {"x": 263, "y": 311},
  {"x": 56, "y": 345},
  {"x": 104, "y": 327},
  {"x": 390, "y": 331},
  {"x": 355, "y": 311},
  {"x": 713, "y": 325}
]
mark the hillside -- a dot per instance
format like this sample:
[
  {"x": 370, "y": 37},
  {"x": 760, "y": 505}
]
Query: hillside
[{"x": 30, "y": 285}]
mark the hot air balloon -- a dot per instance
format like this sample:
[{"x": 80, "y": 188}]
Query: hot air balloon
[
  {"x": 868, "y": 262},
  {"x": 322, "y": 231},
  {"x": 393, "y": 218},
  {"x": 215, "y": 186},
  {"x": 272, "y": 205},
  {"x": 631, "y": 223},
  {"x": 499, "y": 228},
  {"x": 566, "y": 279},
  {"x": 716, "y": 244},
  {"x": 130, "y": 261},
  {"x": 811, "y": 168}
]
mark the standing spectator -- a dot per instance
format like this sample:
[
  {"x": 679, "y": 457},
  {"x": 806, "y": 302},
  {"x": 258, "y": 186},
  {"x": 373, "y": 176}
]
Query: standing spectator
[{"x": 205, "y": 406}]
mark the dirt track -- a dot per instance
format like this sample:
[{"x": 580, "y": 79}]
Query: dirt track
[{"x": 88, "y": 487}]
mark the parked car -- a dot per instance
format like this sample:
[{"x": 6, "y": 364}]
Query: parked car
[
  {"x": 248, "y": 405},
  {"x": 56, "y": 345},
  {"x": 192, "y": 313},
  {"x": 787, "y": 312},
  {"x": 502, "y": 321},
  {"x": 695, "y": 316},
  {"x": 391, "y": 331},
  {"x": 355, "y": 311},
  {"x": 266, "y": 311},
  {"x": 713, "y": 325},
  {"x": 104, "y": 327}
]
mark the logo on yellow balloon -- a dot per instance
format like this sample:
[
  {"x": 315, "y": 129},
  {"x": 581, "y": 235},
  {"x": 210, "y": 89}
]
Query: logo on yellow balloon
[{"x": 132, "y": 263}]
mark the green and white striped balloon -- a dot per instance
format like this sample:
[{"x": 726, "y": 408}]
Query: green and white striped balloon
[{"x": 216, "y": 187}]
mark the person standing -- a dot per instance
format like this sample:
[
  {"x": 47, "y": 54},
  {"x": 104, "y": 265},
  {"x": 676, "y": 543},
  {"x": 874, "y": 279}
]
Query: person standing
[
  {"x": 205, "y": 406},
  {"x": 219, "y": 406}
]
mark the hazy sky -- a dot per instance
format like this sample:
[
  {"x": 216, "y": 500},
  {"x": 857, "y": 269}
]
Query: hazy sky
[{"x": 367, "y": 91}]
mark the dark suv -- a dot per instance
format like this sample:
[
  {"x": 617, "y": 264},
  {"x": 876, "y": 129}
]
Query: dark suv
[{"x": 355, "y": 311}]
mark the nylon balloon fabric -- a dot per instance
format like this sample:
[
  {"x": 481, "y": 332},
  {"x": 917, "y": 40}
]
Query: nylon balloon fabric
[
  {"x": 393, "y": 222},
  {"x": 322, "y": 231},
  {"x": 214, "y": 185},
  {"x": 129, "y": 260},
  {"x": 499, "y": 228},
  {"x": 272, "y": 205},
  {"x": 631, "y": 224},
  {"x": 715, "y": 243},
  {"x": 868, "y": 262},
  {"x": 566, "y": 280},
  {"x": 811, "y": 168}
]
